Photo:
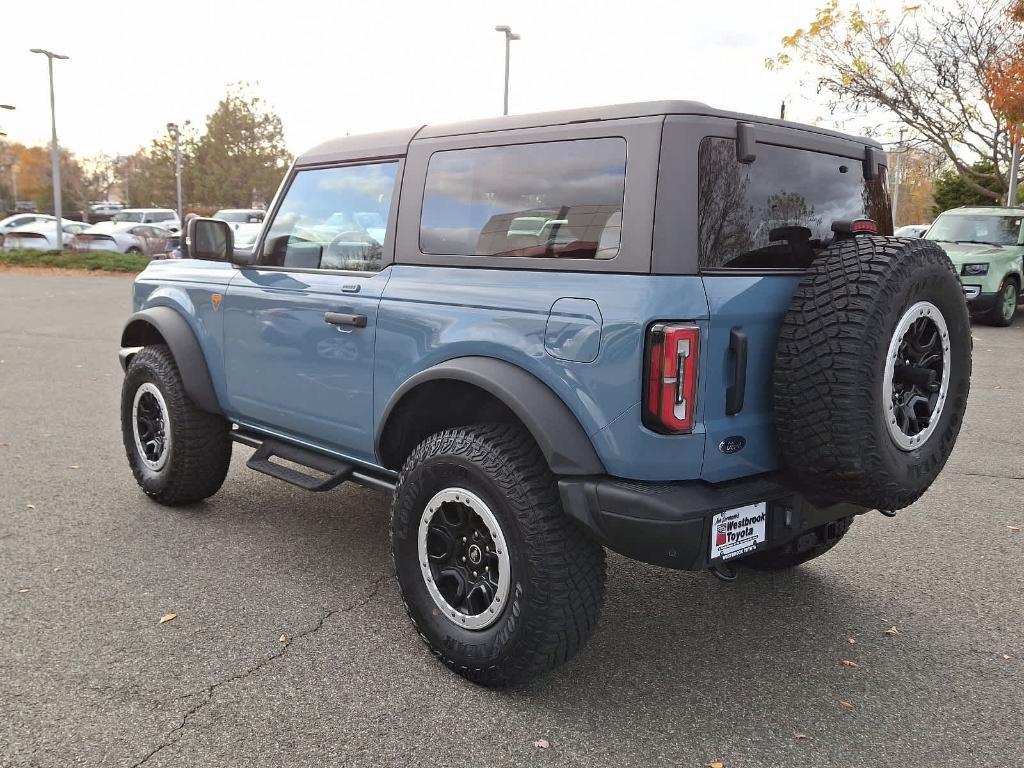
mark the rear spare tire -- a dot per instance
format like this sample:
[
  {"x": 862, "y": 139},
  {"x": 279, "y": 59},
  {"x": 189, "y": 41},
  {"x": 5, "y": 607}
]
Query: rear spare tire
[{"x": 872, "y": 371}]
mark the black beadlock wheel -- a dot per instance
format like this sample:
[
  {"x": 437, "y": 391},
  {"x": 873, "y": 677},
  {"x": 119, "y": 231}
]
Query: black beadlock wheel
[
  {"x": 178, "y": 453},
  {"x": 500, "y": 584},
  {"x": 872, "y": 372}
]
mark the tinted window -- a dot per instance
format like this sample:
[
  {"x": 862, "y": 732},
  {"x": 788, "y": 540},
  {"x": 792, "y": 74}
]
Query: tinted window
[
  {"x": 778, "y": 210},
  {"x": 127, "y": 216},
  {"x": 559, "y": 199},
  {"x": 333, "y": 218}
]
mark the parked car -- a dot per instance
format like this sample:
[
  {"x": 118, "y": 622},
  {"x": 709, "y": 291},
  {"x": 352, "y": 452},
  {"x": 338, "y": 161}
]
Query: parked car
[
  {"x": 912, "y": 230},
  {"x": 25, "y": 206},
  {"x": 42, "y": 235},
  {"x": 165, "y": 217},
  {"x": 986, "y": 245},
  {"x": 105, "y": 209},
  {"x": 240, "y": 215},
  {"x": 539, "y": 350},
  {"x": 21, "y": 220},
  {"x": 125, "y": 238}
]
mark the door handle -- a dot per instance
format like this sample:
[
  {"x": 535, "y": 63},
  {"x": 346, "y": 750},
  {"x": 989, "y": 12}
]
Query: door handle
[
  {"x": 340, "y": 318},
  {"x": 736, "y": 391}
]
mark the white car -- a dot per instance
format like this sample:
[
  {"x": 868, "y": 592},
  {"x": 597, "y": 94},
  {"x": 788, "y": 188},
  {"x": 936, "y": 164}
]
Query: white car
[
  {"x": 912, "y": 230},
  {"x": 163, "y": 217},
  {"x": 42, "y": 235},
  {"x": 125, "y": 238},
  {"x": 240, "y": 215},
  {"x": 21, "y": 220}
]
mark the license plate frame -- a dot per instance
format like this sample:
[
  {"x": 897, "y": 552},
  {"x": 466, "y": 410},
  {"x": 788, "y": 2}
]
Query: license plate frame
[{"x": 738, "y": 531}]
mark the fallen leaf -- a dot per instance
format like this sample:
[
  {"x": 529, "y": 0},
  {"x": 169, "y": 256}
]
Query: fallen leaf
[
  {"x": 715, "y": 765},
  {"x": 892, "y": 631},
  {"x": 542, "y": 744},
  {"x": 30, "y": 506},
  {"x": 845, "y": 703},
  {"x": 168, "y": 617},
  {"x": 283, "y": 639},
  {"x": 56, "y": 569},
  {"x": 850, "y": 664},
  {"x": 996, "y": 387},
  {"x": 1013, "y": 527},
  {"x": 23, "y": 590},
  {"x": 799, "y": 736},
  {"x": 74, "y": 466},
  {"x": 1007, "y": 657},
  {"x": 851, "y": 641}
]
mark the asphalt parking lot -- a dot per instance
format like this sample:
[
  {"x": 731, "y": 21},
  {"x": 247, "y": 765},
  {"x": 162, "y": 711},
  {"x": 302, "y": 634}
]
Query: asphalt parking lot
[{"x": 682, "y": 671}]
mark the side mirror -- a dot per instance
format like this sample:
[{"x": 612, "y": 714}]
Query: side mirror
[{"x": 210, "y": 240}]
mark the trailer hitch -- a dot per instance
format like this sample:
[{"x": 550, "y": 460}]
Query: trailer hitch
[{"x": 724, "y": 572}]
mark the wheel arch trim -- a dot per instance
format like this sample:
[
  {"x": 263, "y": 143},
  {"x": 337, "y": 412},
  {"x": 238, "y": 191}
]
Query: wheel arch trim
[
  {"x": 184, "y": 346},
  {"x": 557, "y": 431}
]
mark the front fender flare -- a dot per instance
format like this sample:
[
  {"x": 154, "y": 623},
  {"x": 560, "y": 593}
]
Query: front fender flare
[
  {"x": 179, "y": 337},
  {"x": 554, "y": 427}
]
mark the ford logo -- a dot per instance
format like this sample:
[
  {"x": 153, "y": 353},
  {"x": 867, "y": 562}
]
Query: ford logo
[{"x": 732, "y": 444}]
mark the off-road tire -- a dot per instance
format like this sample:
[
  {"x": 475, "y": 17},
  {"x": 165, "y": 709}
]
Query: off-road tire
[
  {"x": 557, "y": 572},
  {"x": 807, "y": 546},
  {"x": 997, "y": 315},
  {"x": 830, "y": 364},
  {"x": 200, "y": 445}
]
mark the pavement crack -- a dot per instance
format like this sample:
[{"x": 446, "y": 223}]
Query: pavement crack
[
  {"x": 988, "y": 474},
  {"x": 210, "y": 690}
]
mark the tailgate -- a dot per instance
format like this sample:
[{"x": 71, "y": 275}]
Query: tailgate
[{"x": 741, "y": 307}]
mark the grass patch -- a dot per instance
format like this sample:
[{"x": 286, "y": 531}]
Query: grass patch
[{"x": 107, "y": 261}]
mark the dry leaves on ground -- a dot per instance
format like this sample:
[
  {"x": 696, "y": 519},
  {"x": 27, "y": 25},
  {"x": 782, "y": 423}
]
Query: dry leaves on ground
[
  {"x": 892, "y": 631},
  {"x": 845, "y": 704},
  {"x": 716, "y": 765},
  {"x": 850, "y": 664},
  {"x": 799, "y": 736},
  {"x": 1013, "y": 527},
  {"x": 542, "y": 743},
  {"x": 851, "y": 641},
  {"x": 283, "y": 639},
  {"x": 23, "y": 590},
  {"x": 168, "y": 617}
]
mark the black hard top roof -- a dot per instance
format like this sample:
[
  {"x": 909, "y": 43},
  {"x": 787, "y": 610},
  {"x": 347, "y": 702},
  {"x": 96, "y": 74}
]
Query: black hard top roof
[{"x": 394, "y": 143}]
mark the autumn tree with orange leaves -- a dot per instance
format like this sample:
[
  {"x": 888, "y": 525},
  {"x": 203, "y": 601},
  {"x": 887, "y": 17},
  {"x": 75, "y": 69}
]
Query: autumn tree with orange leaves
[{"x": 951, "y": 72}]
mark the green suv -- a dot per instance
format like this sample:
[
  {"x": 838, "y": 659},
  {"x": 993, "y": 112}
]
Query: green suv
[{"x": 986, "y": 246}]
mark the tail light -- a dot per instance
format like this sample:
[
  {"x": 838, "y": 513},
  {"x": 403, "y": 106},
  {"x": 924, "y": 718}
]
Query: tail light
[{"x": 670, "y": 391}]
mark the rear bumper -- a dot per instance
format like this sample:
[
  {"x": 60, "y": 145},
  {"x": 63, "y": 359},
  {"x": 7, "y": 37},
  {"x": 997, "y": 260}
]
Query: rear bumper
[{"x": 669, "y": 524}]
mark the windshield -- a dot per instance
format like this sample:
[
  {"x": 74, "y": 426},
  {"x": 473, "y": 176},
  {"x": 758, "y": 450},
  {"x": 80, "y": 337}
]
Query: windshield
[
  {"x": 979, "y": 228},
  {"x": 125, "y": 216}
]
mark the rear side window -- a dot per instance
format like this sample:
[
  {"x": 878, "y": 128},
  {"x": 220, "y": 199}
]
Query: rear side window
[
  {"x": 777, "y": 212},
  {"x": 558, "y": 199}
]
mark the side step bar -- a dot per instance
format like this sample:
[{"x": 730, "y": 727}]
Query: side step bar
[{"x": 337, "y": 470}]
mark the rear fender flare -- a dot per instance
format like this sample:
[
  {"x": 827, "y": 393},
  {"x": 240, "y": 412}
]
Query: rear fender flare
[{"x": 557, "y": 431}]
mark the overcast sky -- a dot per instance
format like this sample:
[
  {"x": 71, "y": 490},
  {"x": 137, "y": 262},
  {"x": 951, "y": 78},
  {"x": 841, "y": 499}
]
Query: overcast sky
[{"x": 336, "y": 66}]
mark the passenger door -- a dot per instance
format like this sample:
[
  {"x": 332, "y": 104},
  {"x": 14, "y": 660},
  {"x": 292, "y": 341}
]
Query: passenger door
[{"x": 299, "y": 325}]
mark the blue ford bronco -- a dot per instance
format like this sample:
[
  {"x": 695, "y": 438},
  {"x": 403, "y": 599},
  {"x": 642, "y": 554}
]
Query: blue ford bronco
[{"x": 682, "y": 334}]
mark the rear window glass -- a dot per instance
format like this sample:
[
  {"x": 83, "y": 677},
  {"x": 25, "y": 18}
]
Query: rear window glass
[
  {"x": 777, "y": 212},
  {"x": 553, "y": 200}
]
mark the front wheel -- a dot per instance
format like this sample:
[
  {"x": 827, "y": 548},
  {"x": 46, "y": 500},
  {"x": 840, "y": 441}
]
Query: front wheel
[
  {"x": 178, "y": 453},
  {"x": 1005, "y": 308},
  {"x": 499, "y": 582}
]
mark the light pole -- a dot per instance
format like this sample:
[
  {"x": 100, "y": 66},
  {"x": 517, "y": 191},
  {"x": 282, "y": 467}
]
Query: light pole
[
  {"x": 898, "y": 177},
  {"x": 54, "y": 151},
  {"x": 509, "y": 37},
  {"x": 10, "y": 159},
  {"x": 172, "y": 129}
]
